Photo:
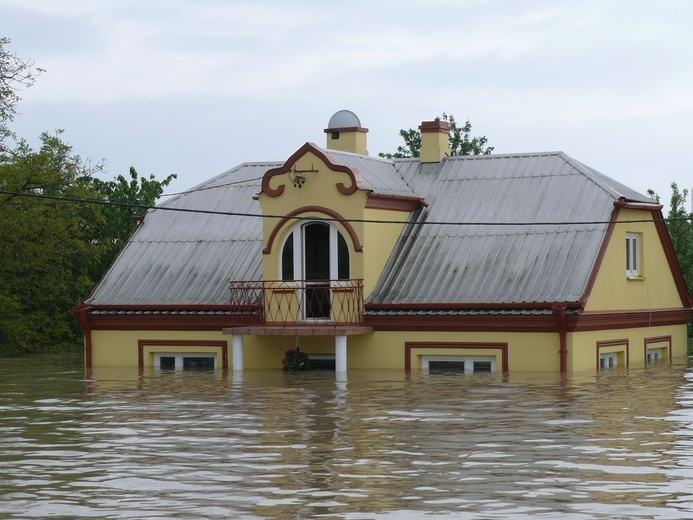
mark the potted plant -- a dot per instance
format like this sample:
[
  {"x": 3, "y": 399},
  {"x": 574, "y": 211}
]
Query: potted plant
[{"x": 295, "y": 360}]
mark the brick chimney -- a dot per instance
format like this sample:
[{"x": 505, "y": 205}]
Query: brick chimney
[
  {"x": 434, "y": 141},
  {"x": 345, "y": 133}
]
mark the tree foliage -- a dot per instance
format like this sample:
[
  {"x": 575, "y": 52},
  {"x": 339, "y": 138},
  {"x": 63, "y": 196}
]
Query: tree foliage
[
  {"x": 461, "y": 141},
  {"x": 54, "y": 244},
  {"x": 117, "y": 222},
  {"x": 680, "y": 227},
  {"x": 15, "y": 74},
  {"x": 52, "y": 252},
  {"x": 44, "y": 246}
]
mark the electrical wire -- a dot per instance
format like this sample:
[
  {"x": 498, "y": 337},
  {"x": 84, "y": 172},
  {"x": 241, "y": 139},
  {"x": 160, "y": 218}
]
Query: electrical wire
[{"x": 74, "y": 200}]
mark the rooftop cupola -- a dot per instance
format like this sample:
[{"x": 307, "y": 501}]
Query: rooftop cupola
[
  {"x": 434, "y": 141},
  {"x": 345, "y": 133}
]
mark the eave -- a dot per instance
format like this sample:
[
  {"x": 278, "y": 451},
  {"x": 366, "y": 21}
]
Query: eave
[
  {"x": 394, "y": 202},
  {"x": 425, "y": 318},
  {"x": 540, "y": 323}
]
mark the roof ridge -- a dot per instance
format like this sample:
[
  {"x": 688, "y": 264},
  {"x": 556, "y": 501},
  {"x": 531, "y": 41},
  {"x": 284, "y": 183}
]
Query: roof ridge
[
  {"x": 356, "y": 155},
  {"x": 600, "y": 179}
]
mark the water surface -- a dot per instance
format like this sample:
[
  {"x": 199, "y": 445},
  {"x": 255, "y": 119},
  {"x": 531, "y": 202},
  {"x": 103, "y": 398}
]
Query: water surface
[{"x": 118, "y": 443}]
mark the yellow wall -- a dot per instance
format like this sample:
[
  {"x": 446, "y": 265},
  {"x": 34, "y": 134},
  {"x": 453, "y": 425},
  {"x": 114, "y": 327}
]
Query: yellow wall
[
  {"x": 582, "y": 353},
  {"x": 434, "y": 146},
  {"x": 120, "y": 348},
  {"x": 354, "y": 142},
  {"x": 527, "y": 352},
  {"x": 379, "y": 240},
  {"x": 654, "y": 289},
  {"x": 319, "y": 190}
]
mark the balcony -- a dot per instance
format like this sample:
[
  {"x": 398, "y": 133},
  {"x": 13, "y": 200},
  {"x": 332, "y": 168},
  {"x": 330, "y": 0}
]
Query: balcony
[{"x": 308, "y": 304}]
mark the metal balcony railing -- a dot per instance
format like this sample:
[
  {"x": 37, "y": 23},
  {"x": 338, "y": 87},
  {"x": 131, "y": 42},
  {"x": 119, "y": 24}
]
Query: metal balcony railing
[{"x": 297, "y": 302}]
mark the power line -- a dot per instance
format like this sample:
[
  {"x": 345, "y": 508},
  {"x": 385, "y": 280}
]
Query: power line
[
  {"x": 203, "y": 188},
  {"x": 74, "y": 200}
]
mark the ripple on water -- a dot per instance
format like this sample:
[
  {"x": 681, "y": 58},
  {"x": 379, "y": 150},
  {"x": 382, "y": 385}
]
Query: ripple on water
[{"x": 122, "y": 444}]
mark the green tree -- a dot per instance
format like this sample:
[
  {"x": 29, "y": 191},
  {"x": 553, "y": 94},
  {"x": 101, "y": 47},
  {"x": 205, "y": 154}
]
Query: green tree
[
  {"x": 45, "y": 245},
  {"x": 57, "y": 232},
  {"x": 117, "y": 221},
  {"x": 15, "y": 74},
  {"x": 56, "y": 244},
  {"x": 680, "y": 227},
  {"x": 461, "y": 141}
]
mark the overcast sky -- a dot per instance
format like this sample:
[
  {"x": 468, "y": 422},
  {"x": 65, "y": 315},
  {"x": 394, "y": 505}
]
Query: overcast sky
[{"x": 197, "y": 87}]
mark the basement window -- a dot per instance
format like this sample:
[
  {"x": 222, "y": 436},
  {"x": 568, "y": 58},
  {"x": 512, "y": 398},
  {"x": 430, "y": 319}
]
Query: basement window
[
  {"x": 183, "y": 361},
  {"x": 459, "y": 364},
  {"x": 322, "y": 361},
  {"x": 654, "y": 355},
  {"x": 607, "y": 361}
]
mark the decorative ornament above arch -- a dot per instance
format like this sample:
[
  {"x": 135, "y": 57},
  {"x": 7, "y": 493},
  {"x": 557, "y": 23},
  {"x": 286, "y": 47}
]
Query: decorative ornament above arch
[
  {"x": 313, "y": 209},
  {"x": 354, "y": 175}
]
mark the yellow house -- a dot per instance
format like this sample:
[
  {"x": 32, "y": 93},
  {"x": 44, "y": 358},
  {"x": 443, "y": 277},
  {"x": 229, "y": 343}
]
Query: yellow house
[{"x": 492, "y": 263}]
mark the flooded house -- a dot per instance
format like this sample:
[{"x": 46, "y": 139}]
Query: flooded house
[{"x": 488, "y": 263}]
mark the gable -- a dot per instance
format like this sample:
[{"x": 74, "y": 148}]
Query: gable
[{"x": 656, "y": 286}]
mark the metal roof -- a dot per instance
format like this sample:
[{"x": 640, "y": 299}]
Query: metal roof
[
  {"x": 180, "y": 258},
  {"x": 379, "y": 175},
  {"x": 187, "y": 258},
  {"x": 490, "y": 255}
]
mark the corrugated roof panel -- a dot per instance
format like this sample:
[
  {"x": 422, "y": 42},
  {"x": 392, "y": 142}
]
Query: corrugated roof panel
[
  {"x": 549, "y": 260},
  {"x": 470, "y": 245},
  {"x": 379, "y": 175},
  {"x": 188, "y": 257}
]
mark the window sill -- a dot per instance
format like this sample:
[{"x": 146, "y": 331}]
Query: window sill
[{"x": 636, "y": 278}]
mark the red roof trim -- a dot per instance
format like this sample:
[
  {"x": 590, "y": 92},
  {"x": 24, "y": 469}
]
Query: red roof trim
[
  {"x": 600, "y": 256},
  {"x": 647, "y": 206},
  {"x": 317, "y": 209},
  {"x": 478, "y": 323},
  {"x": 394, "y": 202},
  {"x": 468, "y": 306}
]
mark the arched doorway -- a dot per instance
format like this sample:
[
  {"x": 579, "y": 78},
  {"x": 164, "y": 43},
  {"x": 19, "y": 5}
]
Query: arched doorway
[{"x": 316, "y": 254}]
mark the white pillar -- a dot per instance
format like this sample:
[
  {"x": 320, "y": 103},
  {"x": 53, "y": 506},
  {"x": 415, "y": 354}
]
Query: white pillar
[
  {"x": 340, "y": 353},
  {"x": 237, "y": 353}
]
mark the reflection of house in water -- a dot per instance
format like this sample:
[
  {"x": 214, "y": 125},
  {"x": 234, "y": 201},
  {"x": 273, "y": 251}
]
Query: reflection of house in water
[{"x": 493, "y": 263}]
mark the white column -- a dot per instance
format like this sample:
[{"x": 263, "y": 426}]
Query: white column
[
  {"x": 340, "y": 353},
  {"x": 237, "y": 359}
]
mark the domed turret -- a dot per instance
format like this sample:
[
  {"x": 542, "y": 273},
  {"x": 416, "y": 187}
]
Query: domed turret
[
  {"x": 344, "y": 119},
  {"x": 345, "y": 133}
]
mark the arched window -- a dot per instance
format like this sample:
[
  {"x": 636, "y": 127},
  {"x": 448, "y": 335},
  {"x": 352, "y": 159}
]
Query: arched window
[
  {"x": 315, "y": 251},
  {"x": 317, "y": 254}
]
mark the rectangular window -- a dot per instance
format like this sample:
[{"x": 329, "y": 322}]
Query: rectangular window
[
  {"x": 463, "y": 364},
  {"x": 654, "y": 355},
  {"x": 185, "y": 361},
  {"x": 632, "y": 254},
  {"x": 607, "y": 361}
]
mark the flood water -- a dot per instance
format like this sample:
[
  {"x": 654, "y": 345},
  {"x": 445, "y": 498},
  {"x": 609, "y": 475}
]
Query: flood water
[{"x": 117, "y": 443}]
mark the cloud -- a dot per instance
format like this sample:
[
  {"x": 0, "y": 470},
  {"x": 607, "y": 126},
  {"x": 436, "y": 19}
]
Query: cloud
[{"x": 531, "y": 75}]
